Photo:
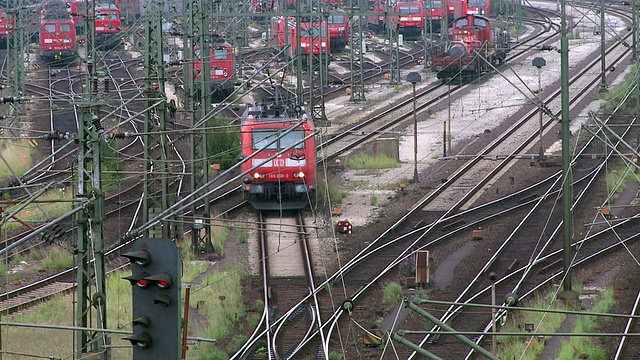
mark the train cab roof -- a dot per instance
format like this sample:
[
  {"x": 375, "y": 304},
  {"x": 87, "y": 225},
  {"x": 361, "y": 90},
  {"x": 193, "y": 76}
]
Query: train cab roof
[
  {"x": 274, "y": 112},
  {"x": 471, "y": 20}
]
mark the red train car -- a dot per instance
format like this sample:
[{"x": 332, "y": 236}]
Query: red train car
[
  {"x": 6, "y": 26},
  {"x": 457, "y": 8},
  {"x": 108, "y": 26},
  {"x": 222, "y": 69},
  {"x": 473, "y": 48},
  {"x": 57, "y": 34},
  {"x": 479, "y": 7},
  {"x": 285, "y": 34},
  {"x": 279, "y": 151},
  {"x": 436, "y": 10},
  {"x": 338, "y": 24},
  {"x": 410, "y": 23}
]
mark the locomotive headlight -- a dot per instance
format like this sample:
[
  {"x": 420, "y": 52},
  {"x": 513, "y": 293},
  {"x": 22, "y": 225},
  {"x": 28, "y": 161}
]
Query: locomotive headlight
[
  {"x": 298, "y": 175},
  {"x": 256, "y": 175}
]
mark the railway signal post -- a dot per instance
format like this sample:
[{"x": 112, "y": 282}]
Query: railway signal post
[
  {"x": 414, "y": 78},
  {"x": 155, "y": 281},
  {"x": 539, "y": 63}
]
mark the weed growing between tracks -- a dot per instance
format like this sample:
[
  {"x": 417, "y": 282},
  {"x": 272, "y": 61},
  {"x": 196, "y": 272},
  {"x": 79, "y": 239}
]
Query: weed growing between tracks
[{"x": 580, "y": 347}]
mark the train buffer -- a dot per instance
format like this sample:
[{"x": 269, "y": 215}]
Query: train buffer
[{"x": 373, "y": 338}]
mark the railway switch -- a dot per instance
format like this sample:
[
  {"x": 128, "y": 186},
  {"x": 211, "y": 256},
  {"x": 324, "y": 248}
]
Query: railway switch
[{"x": 155, "y": 282}]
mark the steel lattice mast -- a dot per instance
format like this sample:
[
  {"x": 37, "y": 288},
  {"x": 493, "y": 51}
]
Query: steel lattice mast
[
  {"x": 356, "y": 50},
  {"x": 156, "y": 197},
  {"x": 90, "y": 231},
  {"x": 18, "y": 42}
]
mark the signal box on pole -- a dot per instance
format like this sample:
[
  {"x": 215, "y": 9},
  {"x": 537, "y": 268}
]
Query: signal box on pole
[{"x": 155, "y": 280}]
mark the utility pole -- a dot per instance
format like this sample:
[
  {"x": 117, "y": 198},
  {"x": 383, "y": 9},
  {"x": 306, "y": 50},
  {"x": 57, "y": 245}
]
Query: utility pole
[
  {"x": 194, "y": 35},
  {"x": 394, "y": 49},
  {"x": 316, "y": 83},
  {"x": 566, "y": 154},
  {"x": 603, "y": 67},
  {"x": 634, "y": 45},
  {"x": 18, "y": 42},
  {"x": 90, "y": 230},
  {"x": 356, "y": 50},
  {"x": 156, "y": 197}
]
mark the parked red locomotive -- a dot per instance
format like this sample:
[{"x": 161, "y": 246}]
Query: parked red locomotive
[
  {"x": 410, "y": 22},
  {"x": 473, "y": 48},
  {"x": 108, "y": 26},
  {"x": 479, "y": 7},
  {"x": 338, "y": 24},
  {"x": 6, "y": 26},
  {"x": 279, "y": 152},
  {"x": 285, "y": 34},
  {"x": 57, "y": 34},
  {"x": 222, "y": 69}
]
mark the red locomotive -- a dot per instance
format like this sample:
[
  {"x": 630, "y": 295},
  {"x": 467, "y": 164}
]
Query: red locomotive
[
  {"x": 6, "y": 26},
  {"x": 479, "y": 7},
  {"x": 108, "y": 26},
  {"x": 473, "y": 48},
  {"x": 222, "y": 69},
  {"x": 338, "y": 24},
  {"x": 410, "y": 22},
  {"x": 279, "y": 152},
  {"x": 285, "y": 36},
  {"x": 57, "y": 33}
]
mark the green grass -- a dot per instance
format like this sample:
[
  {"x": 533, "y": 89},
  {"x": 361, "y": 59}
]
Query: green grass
[
  {"x": 519, "y": 347},
  {"x": 43, "y": 211},
  {"x": 58, "y": 259},
  {"x": 392, "y": 294},
  {"x": 581, "y": 347},
  {"x": 374, "y": 200},
  {"x": 330, "y": 194},
  {"x": 18, "y": 156},
  {"x": 243, "y": 236},
  {"x": 365, "y": 161},
  {"x": 617, "y": 179},
  {"x": 219, "y": 235}
]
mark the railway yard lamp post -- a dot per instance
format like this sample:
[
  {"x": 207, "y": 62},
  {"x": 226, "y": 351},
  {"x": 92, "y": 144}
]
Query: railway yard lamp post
[
  {"x": 539, "y": 63},
  {"x": 413, "y": 78}
]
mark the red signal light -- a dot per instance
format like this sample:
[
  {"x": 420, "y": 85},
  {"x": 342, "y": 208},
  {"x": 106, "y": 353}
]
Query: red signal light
[
  {"x": 164, "y": 281},
  {"x": 143, "y": 283}
]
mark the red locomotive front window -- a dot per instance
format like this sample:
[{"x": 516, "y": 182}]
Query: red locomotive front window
[
  {"x": 273, "y": 140},
  {"x": 336, "y": 19},
  {"x": 65, "y": 28},
  {"x": 409, "y": 10},
  {"x": 461, "y": 22},
  {"x": 220, "y": 54},
  {"x": 479, "y": 22},
  {"x": 50, "y": 28}
]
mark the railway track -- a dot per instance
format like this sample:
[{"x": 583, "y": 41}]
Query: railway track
[{"x": 368, "y": 281}]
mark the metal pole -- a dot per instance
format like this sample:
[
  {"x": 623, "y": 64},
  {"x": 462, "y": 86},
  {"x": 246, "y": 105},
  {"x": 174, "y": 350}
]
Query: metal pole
[
  {"x": 449, "y": 117},
  {"x": 186, "y": 322},
  {"x": 634, "y": 29},
  {"x": 415, "y": 138},
  {"x": 603, "y": 66},
  {"x": 494, "y": 346},
  {"x": 566, "y": 154},
  {"x": 541, "y": 158}
]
